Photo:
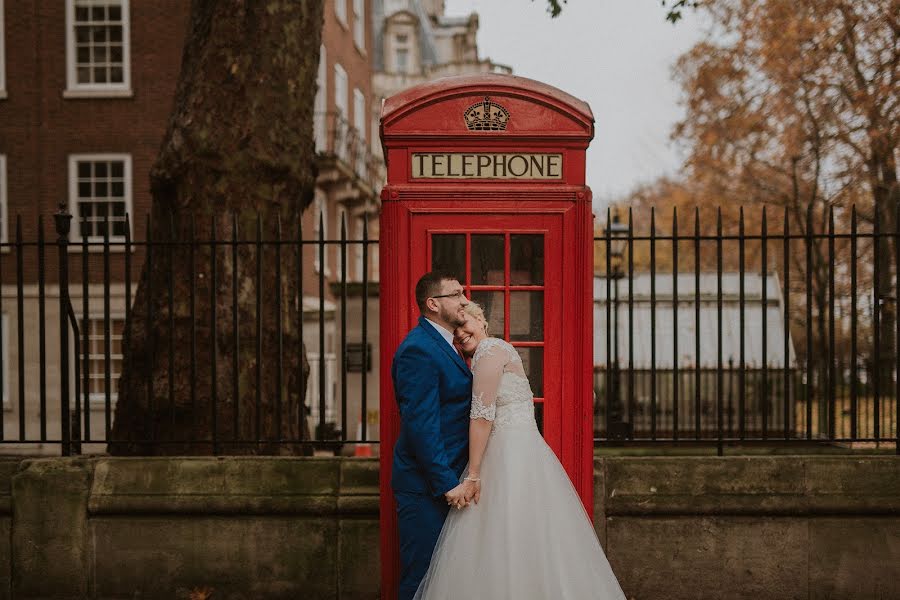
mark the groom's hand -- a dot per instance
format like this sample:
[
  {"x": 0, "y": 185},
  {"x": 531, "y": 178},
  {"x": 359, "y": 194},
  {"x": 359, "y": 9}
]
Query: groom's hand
[{"x": 456, "y": 497}]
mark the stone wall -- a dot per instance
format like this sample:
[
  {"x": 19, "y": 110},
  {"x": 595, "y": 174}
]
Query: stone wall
[
  {"x": 7, "y": 468},
  {"x": 808, "y": 527},
  {"x": 250, "y": 528},
  {"x": 260, "y": 528}
]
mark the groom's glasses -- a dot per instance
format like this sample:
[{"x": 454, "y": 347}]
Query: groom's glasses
[{"x": 457, "y": 295}]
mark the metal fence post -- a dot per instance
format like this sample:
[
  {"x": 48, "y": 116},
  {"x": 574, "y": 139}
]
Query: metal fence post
[{"x": 63, "y": 225}]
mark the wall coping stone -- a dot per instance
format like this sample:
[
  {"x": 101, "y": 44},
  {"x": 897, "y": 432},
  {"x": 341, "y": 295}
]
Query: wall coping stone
[
  {"x": 749, "y": 485},
  {"x": 659, "y": 485},
  {"x": 234, "y": 485},
  {"x": 673, "y": 527}
]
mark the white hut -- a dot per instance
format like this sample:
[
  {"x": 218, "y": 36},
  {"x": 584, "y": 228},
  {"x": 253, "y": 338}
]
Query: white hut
[{"x": 627, "y": 397}]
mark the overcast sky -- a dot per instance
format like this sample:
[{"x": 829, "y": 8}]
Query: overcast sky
[{"x": 616, "y": 55}]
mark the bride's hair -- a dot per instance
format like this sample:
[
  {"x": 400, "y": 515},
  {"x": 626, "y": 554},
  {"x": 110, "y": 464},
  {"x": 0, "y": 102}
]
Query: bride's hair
[{"x": 474, "y": 309}]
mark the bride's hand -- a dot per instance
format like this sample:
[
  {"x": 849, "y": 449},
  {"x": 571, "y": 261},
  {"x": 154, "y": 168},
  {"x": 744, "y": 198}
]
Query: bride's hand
[{"x": 472, "y": 489}]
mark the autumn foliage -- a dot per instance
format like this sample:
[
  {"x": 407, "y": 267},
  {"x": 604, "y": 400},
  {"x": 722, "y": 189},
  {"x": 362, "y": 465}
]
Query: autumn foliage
[{"x": 792, "y": 115}]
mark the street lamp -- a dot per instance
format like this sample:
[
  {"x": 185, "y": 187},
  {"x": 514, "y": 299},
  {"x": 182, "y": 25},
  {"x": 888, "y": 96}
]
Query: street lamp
[{"x": 617, "y": 234}]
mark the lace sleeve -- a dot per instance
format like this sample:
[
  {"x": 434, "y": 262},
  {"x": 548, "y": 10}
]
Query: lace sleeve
[{"x": 487, "y": 368}]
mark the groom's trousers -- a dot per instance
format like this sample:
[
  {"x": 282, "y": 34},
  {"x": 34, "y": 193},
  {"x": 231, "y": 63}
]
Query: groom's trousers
[{"x": 420, "y": 519}]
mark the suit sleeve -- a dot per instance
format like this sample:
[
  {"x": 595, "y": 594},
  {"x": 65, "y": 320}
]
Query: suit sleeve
[{"x": 417, "y": 387}]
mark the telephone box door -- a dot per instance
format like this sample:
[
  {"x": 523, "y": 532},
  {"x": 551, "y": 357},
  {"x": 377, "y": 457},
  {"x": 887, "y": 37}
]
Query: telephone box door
[{"x": 515, "y": 273}]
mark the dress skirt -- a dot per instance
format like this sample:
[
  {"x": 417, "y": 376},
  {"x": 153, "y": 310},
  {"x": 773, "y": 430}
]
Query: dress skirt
[{"x": 529, "y": 536}]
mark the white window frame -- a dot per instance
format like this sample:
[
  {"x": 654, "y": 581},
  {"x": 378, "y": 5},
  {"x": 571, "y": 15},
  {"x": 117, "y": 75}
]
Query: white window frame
[
  {"x": 401, "y": 43},
  {"x": 320, "y": 106},
  {"x": 340, "y": 11},
  {"x": 358, "y": 259},
  {"x": 342, "y": 111},
  {"x": 4, "y": 202},
  {"x": 374, "y": 123},
  {"x": 98, "y": 400},
  {"x": 341, "y": 91},
  {"x": 75, "y": 231},
  {"x": 2, "y": 52},
  {"x": 405, "y": 69},
  {"x": 320, "y": 206},
  {"x": 359, "y": 25},
  {"x": 359, "y": 123},
  {"x": 344, "y": 217},
  {"x": 97, "y": 90},
  {"x": 359, "y": 113},
  {"x": 312, "y": 387},
  {"x": 375, "y": 264}
]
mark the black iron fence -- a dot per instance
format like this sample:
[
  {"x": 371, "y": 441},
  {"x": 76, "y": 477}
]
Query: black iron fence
[
  {"x": 781, "y": 331},
  {"x": 750, "y": 399},
  {"x": 61, "y": 383},
  {"x": 785, "y": 334}
]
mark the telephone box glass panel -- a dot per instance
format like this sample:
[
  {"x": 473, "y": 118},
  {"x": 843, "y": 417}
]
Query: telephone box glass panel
[
  {"x": 505, "y": 275},
  {"x": 449, "y": 251},
  {"x": 492, "y": 304},
  {"x": 526, "y": 316},
  {"x": 488, "y": 262},
  {"x": 526, "y": 259}
]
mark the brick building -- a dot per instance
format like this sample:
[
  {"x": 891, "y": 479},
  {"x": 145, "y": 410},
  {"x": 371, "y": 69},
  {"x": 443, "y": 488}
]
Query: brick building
[
  {"x": 86, "y": 88},
  {"x": 350, "y": 177}
]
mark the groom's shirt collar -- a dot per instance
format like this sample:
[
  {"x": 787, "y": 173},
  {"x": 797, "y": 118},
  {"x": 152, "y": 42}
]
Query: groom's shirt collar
[{"x": 447, "y": 335}]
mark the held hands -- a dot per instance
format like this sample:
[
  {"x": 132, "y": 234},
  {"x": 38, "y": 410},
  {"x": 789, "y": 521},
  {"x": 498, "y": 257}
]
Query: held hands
[
  {"x": 469, "y": 490},
  {"x": 456, "y": 497}
]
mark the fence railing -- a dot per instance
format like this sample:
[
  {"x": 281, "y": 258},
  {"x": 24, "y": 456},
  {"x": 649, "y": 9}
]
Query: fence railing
[
  {"x": 784, "y": 330},
  {"x": 61, "y": 376},
  {"x": 714, "y": 338}
]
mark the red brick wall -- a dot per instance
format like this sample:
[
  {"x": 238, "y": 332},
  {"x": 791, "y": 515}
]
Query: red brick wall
[
  {"x": 339, "y": 48},
  {"x": 39, "y": 128}
]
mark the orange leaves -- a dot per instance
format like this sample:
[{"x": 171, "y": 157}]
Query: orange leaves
[{"x": 786, "y": 100}]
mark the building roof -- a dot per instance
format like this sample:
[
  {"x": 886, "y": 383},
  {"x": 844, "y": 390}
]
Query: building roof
[
  {"x": 426, "y": 40},
  {"x": 427, "y": 47},
  {"x": 453, "y": 21}
]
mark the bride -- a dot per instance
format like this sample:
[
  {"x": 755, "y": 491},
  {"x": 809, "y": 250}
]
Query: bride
[{"x": 526, "y": 534}]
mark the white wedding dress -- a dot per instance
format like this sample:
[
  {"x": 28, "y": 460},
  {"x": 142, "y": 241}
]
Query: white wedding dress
[{"x": 529, "y": 536}]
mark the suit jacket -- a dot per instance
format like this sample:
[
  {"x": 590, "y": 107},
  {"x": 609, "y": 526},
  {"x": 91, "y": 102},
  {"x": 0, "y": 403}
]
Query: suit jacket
[{"x": 433, "y": 387}]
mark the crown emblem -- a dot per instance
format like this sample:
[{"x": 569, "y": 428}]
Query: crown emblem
[{"x": 486, "y": 116}]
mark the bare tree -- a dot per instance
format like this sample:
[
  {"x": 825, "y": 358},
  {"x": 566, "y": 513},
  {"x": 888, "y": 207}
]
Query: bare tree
[{"x": 795, "y": 104}]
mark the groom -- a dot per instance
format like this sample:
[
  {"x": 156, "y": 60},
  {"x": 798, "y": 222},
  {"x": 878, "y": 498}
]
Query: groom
[{"x": 433, "y": 387}]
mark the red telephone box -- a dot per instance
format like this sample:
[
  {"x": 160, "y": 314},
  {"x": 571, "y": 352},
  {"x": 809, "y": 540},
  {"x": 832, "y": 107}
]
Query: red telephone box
[{"x": 486, "y": 179}]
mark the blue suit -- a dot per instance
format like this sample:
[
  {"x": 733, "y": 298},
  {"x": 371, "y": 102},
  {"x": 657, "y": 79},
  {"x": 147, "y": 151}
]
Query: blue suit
[{"x": 433, "y": 387}]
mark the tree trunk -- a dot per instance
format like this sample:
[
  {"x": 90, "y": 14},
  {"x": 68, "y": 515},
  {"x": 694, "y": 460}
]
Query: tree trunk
[{"x": 239, "y": 152}]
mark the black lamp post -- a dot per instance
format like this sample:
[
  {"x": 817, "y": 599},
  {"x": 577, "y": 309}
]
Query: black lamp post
[{"x": 617, "y": 232}]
